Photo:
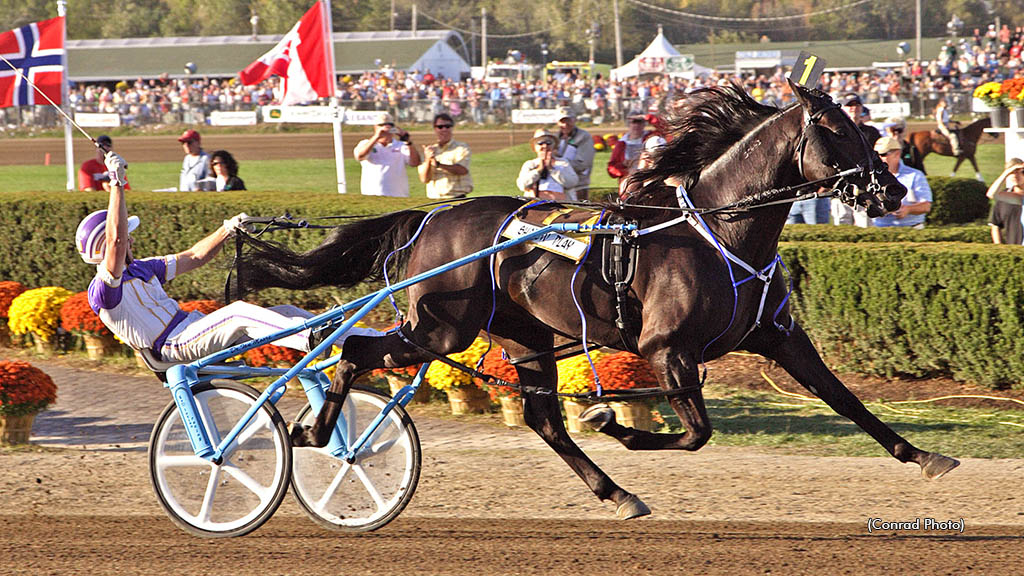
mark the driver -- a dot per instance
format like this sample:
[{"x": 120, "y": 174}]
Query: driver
[{"x": 128, "y": 296}]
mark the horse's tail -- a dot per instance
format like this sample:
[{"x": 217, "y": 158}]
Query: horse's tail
[{"x": 350, "y": 254}]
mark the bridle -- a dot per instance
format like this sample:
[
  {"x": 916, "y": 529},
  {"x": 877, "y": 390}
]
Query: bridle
[{"x": 847, "y": 191}]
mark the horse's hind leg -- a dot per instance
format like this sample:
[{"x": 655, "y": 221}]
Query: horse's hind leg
[
  {"x": 797, "y": 356},
  {"x": 977, "y": 173},
  {"x": 542, "y": 414},
  {"x": 689, "y": 406},
  {"x": 361, "y": 353}
]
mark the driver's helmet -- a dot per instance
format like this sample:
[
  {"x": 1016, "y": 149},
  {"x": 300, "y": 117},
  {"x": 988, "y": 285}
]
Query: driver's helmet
[{"x": 91, "y": 236}]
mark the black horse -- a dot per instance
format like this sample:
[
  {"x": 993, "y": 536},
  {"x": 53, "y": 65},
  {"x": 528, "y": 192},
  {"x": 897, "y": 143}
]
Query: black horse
[{"x": 726, "y": 149}]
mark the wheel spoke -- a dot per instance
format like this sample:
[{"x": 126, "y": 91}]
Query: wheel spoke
[
  {"x": 183, "y": 461},
  {"x": 211, "y": 492},
  {"x": 368, "y": 484},
  {"x": 321, "y": 504},
  {"x": 260, "y": 422},
  {"x": 263, "y": 492}
]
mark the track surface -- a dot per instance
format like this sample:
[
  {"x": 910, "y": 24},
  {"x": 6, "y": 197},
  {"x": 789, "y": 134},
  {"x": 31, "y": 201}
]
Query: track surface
[{"x": 493, "y": 500}]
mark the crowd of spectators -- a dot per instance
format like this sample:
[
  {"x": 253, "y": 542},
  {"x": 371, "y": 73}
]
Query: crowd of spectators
[{"x": 415, "y": 96}]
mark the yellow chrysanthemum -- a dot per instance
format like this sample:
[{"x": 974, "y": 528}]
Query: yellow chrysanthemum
[{"x": 37, "y": 311}]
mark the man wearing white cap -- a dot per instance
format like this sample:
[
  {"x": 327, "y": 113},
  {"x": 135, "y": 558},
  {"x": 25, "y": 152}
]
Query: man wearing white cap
[
  {"x": 575, "y": 146},
  {"x": 918, "y": 201},
  {"x": 128, "y": 295},
  {"x": 383, "y": 158}
]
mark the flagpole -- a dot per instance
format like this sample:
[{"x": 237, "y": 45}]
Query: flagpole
[
  {"x": 339, "y": 147},
  {"x": 69, "y": 145}
]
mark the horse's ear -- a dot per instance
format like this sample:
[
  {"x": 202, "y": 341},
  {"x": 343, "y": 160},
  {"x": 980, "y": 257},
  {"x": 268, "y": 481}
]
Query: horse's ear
[{"x": 803, "y": 95}]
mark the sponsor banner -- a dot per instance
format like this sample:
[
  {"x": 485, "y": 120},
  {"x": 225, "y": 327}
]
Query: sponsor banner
[
  {"x": 97, "y": 120},
  {"x": 651, "y": 65},
  {"x": 882, "y": 110},
  {"x": 562, "y": 245},
  {"x": 679, "y": 64},
  {"x": 363, "y": 117},
  {"x": 541, "y": 116},
  {"x": 299, "y": 114},
  {"x": 242, "y": 118}
]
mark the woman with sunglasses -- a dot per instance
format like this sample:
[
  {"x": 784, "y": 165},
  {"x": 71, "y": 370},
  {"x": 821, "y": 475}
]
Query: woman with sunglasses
[
  {"x": 445, "y": 166},
  {"x": 225, "y": 168}
]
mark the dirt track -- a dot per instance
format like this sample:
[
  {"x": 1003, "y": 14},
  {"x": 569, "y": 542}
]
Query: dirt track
[{"x": 28, "y": 151}]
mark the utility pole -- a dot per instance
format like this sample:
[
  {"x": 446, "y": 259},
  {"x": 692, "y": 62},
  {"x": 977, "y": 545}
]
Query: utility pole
[
  {"x": 392, "y": 15},
  {"x": 918, "y": 30},
  {"x": 483, "y": 36},
  {"x": 618, "y": 36},
  {"x": 414, "y": 19},
  {"x": 69, "y": 147}
]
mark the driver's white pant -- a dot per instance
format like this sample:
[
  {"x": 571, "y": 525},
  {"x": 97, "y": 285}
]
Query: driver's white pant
[{"x": 200, "y": 335}]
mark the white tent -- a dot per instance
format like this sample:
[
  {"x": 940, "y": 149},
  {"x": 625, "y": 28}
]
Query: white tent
[{"x": 651, "y": 60}]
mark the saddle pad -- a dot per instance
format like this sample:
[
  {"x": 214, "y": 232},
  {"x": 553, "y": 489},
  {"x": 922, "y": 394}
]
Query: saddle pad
[{"x": 571, "y": 246}]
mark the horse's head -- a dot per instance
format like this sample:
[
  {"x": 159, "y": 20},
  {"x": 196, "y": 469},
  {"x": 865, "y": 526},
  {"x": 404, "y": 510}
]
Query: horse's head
[{"x": 831, "y": 144}]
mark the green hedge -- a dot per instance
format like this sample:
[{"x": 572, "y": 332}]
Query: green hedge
[
  {"x": 957, "y": 200},
  {"x": 914, "y": 309},
  {"x": 928, "y": 307}
]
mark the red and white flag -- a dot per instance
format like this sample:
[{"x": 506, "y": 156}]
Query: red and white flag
[
  {"x": 301, "y": 59},
  {"x": 37, "y": 51}
]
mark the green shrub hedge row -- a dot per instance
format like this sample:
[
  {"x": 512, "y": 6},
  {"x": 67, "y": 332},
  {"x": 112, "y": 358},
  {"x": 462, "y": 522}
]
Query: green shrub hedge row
[
  {"x": 874, "y": 306},
  {"x": 974, "y": 233},
  {"x": 914, "y": 309},
  {"x": 957, "y": 200}
]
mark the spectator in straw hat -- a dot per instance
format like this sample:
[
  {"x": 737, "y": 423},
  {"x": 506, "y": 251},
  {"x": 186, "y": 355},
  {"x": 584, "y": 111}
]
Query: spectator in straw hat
[
  {"x": 383, "y": 158},
  {"x": 546, "y": 176},
  {"x": 897, "y": 128},
  {"x": 576, "y": 146},
  {"x": 918, "y": 201},
  {"x": 1007, "y": 190}
]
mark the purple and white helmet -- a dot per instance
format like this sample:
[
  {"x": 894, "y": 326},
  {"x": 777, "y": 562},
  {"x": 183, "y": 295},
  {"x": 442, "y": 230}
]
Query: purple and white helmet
[{"x": 91, "y": 237}]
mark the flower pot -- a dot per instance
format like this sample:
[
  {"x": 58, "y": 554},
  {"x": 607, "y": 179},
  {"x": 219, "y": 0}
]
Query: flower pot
[
  {"x": 5, "y": 333},
  {"x": 512, "y": 411},
  {"x": 633, "y": 415},
  {"x": 1017, "y": 118},
  {"x": 468, "y": 400},
  {"x": 45, "y": 347},
  {"x": 97, "y": 346},
  {"x": 573, "y": 409},
  {"x": 396, "y": 383},
  {"x": 1000, "y": 117},
  {"x": 16, "y": 429}
]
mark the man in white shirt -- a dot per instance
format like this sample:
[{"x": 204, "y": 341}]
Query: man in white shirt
[
  {"x": 383, "y": 158},
  {"x": 575, "y": 146},
  {"x": 196, "y": 165}
]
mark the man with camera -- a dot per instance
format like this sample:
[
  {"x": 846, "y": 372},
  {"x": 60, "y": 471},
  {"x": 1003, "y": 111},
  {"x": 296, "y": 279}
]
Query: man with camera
[{"x": 383, "y": 158}]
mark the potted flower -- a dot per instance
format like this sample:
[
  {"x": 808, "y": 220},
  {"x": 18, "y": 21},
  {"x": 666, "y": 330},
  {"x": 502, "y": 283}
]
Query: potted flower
[
  {"x": 508, "y": 398},
  {"x": 464, "y": 393},
  {"x": 272, "y": 355},
  {"x": 8, "y": 290},
  {"x": 24, "y": 391},
  {"x": 1013, "y": 94},
  {"x": 627, "y": 371},
  {"x": 575, "y": 376},
  {"x": 992, "y": 95},
  {"x": 77, "y": 317},
  {"x": 37, "y": 312}
]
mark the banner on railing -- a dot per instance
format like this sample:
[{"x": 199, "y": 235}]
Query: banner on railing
[
  {"x": 541, "y": 116},
  {"x": 882, "y": 110},
  {"x": 97, "y": 119},
  {"x": 299, "y": 114},
  {"x": 239, "y": 118}
]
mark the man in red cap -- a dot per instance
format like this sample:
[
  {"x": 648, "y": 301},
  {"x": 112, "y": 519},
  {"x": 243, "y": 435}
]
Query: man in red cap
[{"x": 196, "y": 165}]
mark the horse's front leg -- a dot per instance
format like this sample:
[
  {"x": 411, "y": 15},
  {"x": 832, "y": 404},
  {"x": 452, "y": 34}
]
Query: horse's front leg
[
  {"x": 675, "y": 372},
  {"x": 797, "y": 355},
  {"x": 542, "y": 414}
]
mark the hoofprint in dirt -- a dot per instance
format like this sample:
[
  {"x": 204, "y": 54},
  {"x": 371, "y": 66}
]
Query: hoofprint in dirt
[{"x": 497, "y": 546}]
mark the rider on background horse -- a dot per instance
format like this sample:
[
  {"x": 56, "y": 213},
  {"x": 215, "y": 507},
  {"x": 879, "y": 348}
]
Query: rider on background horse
[{"x": 947, "y": 126}]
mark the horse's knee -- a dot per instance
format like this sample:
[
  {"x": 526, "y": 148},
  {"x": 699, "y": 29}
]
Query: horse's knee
[{"x": 695, "y": 439}]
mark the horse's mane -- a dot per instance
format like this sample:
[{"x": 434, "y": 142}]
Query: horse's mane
[{"x": 702, "y": 126}]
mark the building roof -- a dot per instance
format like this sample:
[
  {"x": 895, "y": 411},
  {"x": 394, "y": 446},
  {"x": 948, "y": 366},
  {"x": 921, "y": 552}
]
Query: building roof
[{"x": 224, "y": 56}]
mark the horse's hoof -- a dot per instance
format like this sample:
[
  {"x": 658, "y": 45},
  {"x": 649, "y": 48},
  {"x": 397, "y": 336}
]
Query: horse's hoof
[
  {"x": 632, "y": 507},
  {"x": 936, "y": 465},
  {"x": 299, "y": 435},
  {"x": 597, "y": 417}
]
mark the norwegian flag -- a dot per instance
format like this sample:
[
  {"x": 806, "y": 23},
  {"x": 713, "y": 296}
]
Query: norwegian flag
[
  {"x": 301, "y": 59},
  {"x": 37, "y": 51}
]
